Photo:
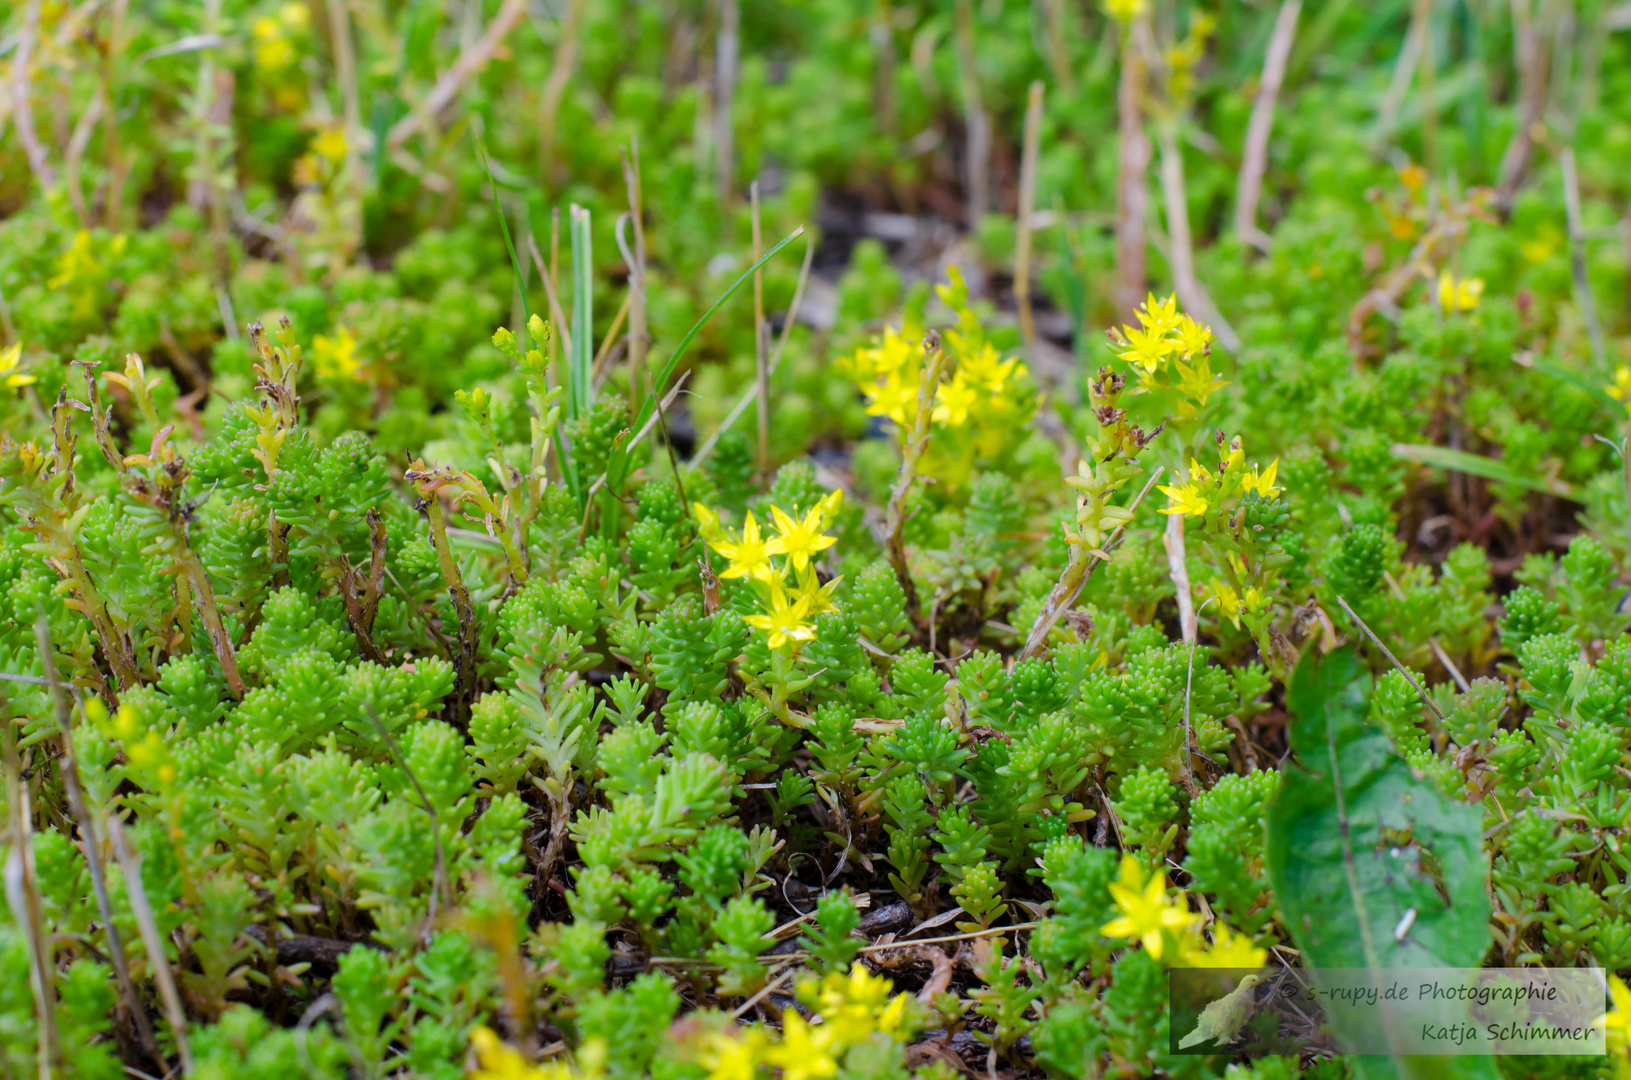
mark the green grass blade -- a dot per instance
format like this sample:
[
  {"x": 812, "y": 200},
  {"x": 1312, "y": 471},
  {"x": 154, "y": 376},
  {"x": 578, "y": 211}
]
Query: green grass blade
[
  {"x": 569, "y": 471},
  {"x": 620, "y": 454},
  {"x": 1442, "y": 457},
  {"x": 521, "y": 332},
  {"x": 1578, "y": 381},
  {"x": 580, "y": 372}
]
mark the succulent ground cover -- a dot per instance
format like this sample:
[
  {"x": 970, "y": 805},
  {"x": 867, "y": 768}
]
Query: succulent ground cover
[{"x": 576, "y": 540}]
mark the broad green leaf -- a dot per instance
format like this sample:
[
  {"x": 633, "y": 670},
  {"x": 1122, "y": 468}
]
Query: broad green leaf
[{"x": 1356, "y": 841}]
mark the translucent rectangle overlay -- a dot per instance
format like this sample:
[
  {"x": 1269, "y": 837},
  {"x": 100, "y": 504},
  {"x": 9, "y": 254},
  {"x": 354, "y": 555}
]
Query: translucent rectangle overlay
[{"x": 1412, "y": 1011}]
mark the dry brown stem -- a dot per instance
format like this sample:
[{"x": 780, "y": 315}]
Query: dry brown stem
[
  {"x": 1254, "y": 165},
  {"x": 470, "y": 61}
]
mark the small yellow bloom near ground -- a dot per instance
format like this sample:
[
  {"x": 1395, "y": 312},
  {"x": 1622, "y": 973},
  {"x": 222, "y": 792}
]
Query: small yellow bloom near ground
[
  {"x": 1459, "y": 294},
  {"x": 1228, "y": 950},
  {"x": 849, "y": 1010},
  {"x": 1148, "y": 914},
  {"x": 1619, "y": 389},
  {"x": 496, "y": 1061},
  {"x": 83, "y": 270},
  {"x": 1170, "y": 350},
  {"x": 785, "y": 618},
  {"x": 331, "y": 144},
  {"x": 1617, "y": 1026},
  {"x": 1124, "y": 11},
  {"x": 10, "y": 363},
  {"x": 336, "y": 357},
  {"x": 1233, "y": 603}
]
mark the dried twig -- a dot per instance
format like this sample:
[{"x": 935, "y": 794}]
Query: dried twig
[
  {"x": 747, "y": 398},
  {"x": 1394, "y": 660},
  {"x": 1178, "y": 568},
  {"x": 916, "y": 441},
  {"x": 22, "y": 110},
  {"x": 1254, "y": 165},
  {"x": 977, "y": 146},
  {"x": 152, "y": 940},
  {"x": 637, "y": 274},
  {"x": 1530, "y": 59},
  {"x": 560, "y": 73},
  {"x": 1132, "y": 167},
  {"x": 23, "y": 897},
  {"x": 726, "y": 46},
  {"x": 1577, "y": 257},
  {"x": 470, "y": 61},
  {"x": 69, "y": 765},
  {"x": 761, "y": 342},
  {"x": 1184, "y": 280},
  {"x": 1027, "y": 204}
]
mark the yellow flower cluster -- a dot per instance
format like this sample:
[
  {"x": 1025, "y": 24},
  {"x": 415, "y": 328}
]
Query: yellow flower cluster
[
  {"x": 145, "y": 749},
  {"x": 83, "y": 269},
  {"x": 336, "y": 357},
  {"x": 1619, "y": 389},
  {"x": 1459, "y": 294},
  {"x": 1203, "y": 492},
  {"x": 277, "y": 52},
  {"x": 851, "y": 1009},
  {"x": 982, "y": 402},
  {"x": 1169, "y": 349},
  {"x": 1233, "y": 604},
  {"x": 889, "y": 370},
  {"x": 780, "y": 568},
  {"x": 1150, "y": 916}
]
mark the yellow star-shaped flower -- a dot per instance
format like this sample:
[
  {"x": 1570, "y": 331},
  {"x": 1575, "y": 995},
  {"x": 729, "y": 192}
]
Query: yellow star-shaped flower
[
  {"x": 803, "y": 1052},
  {"x": 786, "y": 617},
  {"x": 749, "y": 556},
  {"x": 9, "y": 361},
  {"x": 1146, "y": 910},
  {"x": 1145, "y": 349},
  {"x": 1192, "y": 337},
  {"x": 1264, "y": 484},
  {"x": 1185, "y": 499},
  {"x": 798, "y": 540},
  {"x": 735, "y": 1056},
  {"x": 894, "y": 397},
  {"x": 1159, "y": 316},
  {"x": 954, "y": 401},
  {"x": 1459, "y": 294}
]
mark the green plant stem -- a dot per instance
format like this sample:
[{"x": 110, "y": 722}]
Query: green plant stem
[{"x": 916, "y": 442}]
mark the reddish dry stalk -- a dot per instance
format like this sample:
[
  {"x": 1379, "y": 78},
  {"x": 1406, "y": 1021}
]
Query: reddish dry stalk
[
  {"x": 977, "y": 150},
  {"x": 468, "y": 63},
  {"x": 1255, "y": 163},
  {"x": 1184, "y": 279},
  {"x": 1027, "y": 206},
  {"x": 1531, "y": 63},
  {"x": 22, "y": 109},
  {"x": 549, "y": 105},
  {"x": 1132, "y": 167},
  {"x": 726, "y": 47}
]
